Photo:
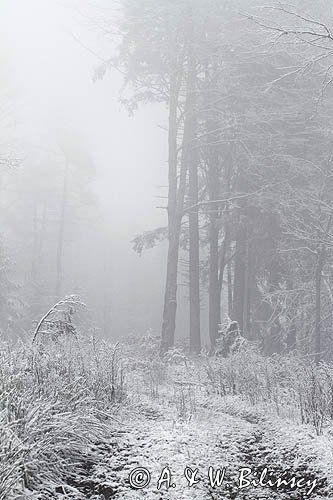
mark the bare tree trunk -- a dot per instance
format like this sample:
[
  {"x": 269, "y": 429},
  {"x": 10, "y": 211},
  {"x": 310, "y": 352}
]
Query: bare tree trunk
[
  {"x": 175, "y": 207},
  {"x": 223, "y": 262},
  {"x": 318, "y": 282},
  {"x": 194, "y": 260},
  {"x": 247, "y": 281},
  {"x": 319, "y": 269},
  {"x": 239, "y": 277},
  {"x": 214, "y": 287},
  {"x": 213, "y": 231},
  {"x": 291, "y": 339},
  {"x": 60, "y": 248},
  {"x": 225, "y": 251},
  {"x": 275, "y": 344},
  {"x": 191, "y": 158},
  {"x": 230, "y": 296}
]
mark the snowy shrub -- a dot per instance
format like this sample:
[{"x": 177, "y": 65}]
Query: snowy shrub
[
  {"x": 54, "y": 404},
  {"x": 175, "y": 356},
  {"x": 291, "y": 385},
  {"x": 185, "y": 399},
  {"x": 314, "y": 387}
]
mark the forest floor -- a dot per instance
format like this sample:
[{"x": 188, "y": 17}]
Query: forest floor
[
  {"x": 177, "y": 423},
  {"x": 172, "y": 418}
]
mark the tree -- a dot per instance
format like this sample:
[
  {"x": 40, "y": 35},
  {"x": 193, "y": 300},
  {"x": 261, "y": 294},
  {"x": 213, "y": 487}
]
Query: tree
[
  {"x": 159, "y": 68},
  {"x": 249, "y": 150}
]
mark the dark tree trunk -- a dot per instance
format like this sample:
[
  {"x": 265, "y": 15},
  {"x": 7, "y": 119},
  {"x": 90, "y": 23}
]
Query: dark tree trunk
[
  {"x": 291, "y": 339},
  {"x": 318, "y": 282},
  {"x": 223, "y": 262},
  {"x": 213, "y": 231},
  {"x": 194, "y": 257},
  {"x": 239, "y": 276},
  {"x": 214, "y": 286},
  {"x": 319, "y": 269},
  {"x": 292, "y": 336},
  {"x": 230, "y": 297},
  {"x": 175, "y": 213},
  {"x": 225, "y": 251},
  {"x": 247, "y": 288},
  {"x": 273, "y": 342}
]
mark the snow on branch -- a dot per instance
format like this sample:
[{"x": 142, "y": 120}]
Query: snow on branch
[{"x": 58, "y": 319}]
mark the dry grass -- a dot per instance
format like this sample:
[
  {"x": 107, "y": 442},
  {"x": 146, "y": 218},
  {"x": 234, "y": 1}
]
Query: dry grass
[
  {"x": 54, "y": 400},
  {"x": 293, "y": 386}
]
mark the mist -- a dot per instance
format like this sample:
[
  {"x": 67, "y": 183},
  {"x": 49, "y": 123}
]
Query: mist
[
  {"x": 50, "y": 51},
  {"x": 166, "y": 249}
]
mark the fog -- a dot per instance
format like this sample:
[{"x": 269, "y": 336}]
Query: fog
[
  {"x": 105, "y": 105},
  {"x": 166, "y": 249},
  {"x": 50, "y": 51}
]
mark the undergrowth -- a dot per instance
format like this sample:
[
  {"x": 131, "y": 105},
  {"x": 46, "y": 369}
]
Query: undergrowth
[
  {"x": 55, "y": 401},
  {"x": 295, "y": 387}
]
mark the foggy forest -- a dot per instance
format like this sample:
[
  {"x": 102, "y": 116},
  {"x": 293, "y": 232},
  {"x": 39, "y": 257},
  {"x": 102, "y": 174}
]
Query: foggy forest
[{"x": 166, "y": 249}]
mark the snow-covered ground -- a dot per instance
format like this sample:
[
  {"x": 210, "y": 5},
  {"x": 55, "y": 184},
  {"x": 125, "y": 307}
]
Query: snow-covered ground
[
  {"x": 178, "y": 424},
  {"x": 71, "y": 428}
]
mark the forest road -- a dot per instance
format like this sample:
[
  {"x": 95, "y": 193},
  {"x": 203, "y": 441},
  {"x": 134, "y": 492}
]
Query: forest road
[{"x": 155, "y": 440}]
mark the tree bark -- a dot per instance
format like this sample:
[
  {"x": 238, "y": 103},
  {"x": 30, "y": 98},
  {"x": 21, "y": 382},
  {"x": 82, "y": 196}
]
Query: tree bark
[
  {"x": 194, "y": 254},
  {"x": 318, "y": 282},
  {"x": 230, "y": 297},
  {"x": 213, "y": 230},
  {"x": 214, "y": 287},
  {"x": 239, "y": 277},
  {"x": 291, "y": 339},
  {"x": 247, "y": 288},
  {"x": 273, "y": 340},
  {"x": 175, "y": 208},
  {"x": 223, "y": 262}
]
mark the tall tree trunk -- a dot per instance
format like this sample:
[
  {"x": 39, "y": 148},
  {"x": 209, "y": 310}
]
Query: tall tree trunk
[
  {"x": 213, "y": 230},
  {"x": 175, "y": 208},
  {"x": 273, "y": 341},
  {"x": 318, "y": 282},
  {"x": 214, "y": 287},
  {"x": 194, "y": 254},
  {"x": 319, "y": 269},
  {"x": 223, "y": 262},
  {"x": 194, "y": 259},
  {"x": 247, "y": 288},
  {"x": 230, "y": 297},
  {"x": 60, "y": 248},
  {"x": 291, "y": 339},
  {"x": 239, "y": 277},
  {"x": 225, "y": 250}
]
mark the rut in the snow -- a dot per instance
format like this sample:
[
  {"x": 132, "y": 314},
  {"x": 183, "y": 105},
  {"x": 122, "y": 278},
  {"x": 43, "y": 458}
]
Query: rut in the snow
[{"x": 259, "y": 452}]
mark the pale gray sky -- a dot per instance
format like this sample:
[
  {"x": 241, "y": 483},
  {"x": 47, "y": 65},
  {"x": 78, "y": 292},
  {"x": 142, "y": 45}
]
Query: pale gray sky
[
  {"x": 52, "y": 73},
  {"x": 52, "y": 76}
]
